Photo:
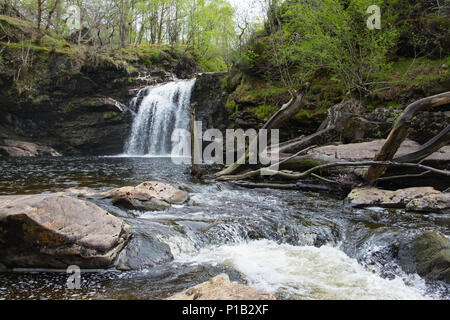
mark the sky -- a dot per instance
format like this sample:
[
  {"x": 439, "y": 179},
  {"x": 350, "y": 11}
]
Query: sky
[{"x": 252, "y": 8}]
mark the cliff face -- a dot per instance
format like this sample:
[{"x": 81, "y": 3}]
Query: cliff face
[
  {"x": 70, "y": 97},
  {"x": 209, "y": 97}
]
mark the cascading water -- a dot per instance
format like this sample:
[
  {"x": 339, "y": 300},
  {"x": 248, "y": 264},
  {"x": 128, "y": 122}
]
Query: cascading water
[{"x": 163, "y": 109}]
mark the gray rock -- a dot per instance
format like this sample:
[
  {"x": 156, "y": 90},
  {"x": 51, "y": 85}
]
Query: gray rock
[
  {"x": 55, "y": 231},
  {"x": 420, "y": 199},
  {"x": 428, "y": 254}
]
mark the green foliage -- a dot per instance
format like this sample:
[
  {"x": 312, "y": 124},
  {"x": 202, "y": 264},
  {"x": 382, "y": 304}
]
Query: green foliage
[
  {"x": 264, "y": 112},
  {"x": 248, "y": 59},
  {"x": 323, "y": 34}
]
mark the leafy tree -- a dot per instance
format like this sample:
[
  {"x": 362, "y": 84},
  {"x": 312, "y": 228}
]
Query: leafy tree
[{"x": 310, "y": 35}]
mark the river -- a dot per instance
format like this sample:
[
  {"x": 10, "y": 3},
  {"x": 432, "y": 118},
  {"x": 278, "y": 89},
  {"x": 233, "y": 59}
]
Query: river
[{"x": 296, "y": 245}]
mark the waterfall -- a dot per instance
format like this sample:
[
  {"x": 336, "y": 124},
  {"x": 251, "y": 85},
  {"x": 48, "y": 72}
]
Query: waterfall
[{"x": 163, "y": 109}]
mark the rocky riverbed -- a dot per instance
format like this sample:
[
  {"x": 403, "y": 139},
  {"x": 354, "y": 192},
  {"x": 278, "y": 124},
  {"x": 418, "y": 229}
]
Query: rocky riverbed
[{"x": 290, "y": 244}]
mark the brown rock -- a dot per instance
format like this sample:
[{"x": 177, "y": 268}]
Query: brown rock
[
  {"x": 221, "y": 288},
  {"x": 55, "y": 231},
  {"x": 425, "y": 199},
  {"x": 150, "y": 195},
  {"x": 15, "y": 148},
  {"x": 431, "y": 202}
]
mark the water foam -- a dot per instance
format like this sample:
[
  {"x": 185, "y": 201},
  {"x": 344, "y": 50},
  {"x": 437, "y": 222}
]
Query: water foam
[{"x": 304, "y": 272}]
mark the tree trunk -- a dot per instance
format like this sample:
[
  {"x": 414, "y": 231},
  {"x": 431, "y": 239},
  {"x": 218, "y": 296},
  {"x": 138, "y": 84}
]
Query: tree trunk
[
  {"x": 39, "y": 14},
  {"x": 195, "y": 168},
  {"x": 50, "y": 14},
  {"x": 400, "y": 131}
]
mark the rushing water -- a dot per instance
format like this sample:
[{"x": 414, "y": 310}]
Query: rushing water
[
  {"x": 163, "y": 109},
  {"x": 293, "y": 244}
]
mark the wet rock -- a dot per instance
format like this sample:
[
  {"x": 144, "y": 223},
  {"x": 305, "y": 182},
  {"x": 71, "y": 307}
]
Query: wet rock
[
  {"x": 422, "y": 199},
  {"x": 221, "y": 288},
  {"x": 14, "y": 148},
  {"x": 428, "y": 254},
  {"x": 150, "y": 195},
  {"x": 55, "y": 231},
  {"x": 145, "y": 249},
  {"x": 209, "y": 97},
  {"x": 431, "y": 202}
]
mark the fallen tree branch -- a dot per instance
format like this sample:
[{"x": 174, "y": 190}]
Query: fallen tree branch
[
  {"x": 298, "y": 144},
  {"x": 287, "y": 111},
  {"x": 433, "y": 145},
  {"x": 260, "y": 171},
  {"x": 400, "y": 131},
  {"x": 300, "y": 175},
  {"x": 404, "y": 176},
  {"x": 288, "y": 186}
]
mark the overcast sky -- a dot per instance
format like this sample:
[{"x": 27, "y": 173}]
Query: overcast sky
[{"x": 251, "y": 8}]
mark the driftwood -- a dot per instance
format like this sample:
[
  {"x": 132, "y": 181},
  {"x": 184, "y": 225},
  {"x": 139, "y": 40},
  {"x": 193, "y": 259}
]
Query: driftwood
[
  {"x": 301, "y": 143},
  {"x": 400, "y": 131},
  {"x": 289, "y": 186},
  {"x": 287, "y": 111},
  {"x": 330, "y": 129},
  {"x": 289, "y": 175},
  {"x": 433, "y": 145},
  {"x": 404, "y": 176}
]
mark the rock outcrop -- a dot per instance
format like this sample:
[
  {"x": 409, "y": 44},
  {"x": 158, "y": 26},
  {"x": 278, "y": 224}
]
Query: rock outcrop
[
  {"x": 55, "y": 231},
  {"x": 13, "y": 148},
  {"x": 150, "y": 195},
  {"x": 210, "y": 97},
  {"x": 422, "y": 199},
  {"x": 221, "y": 288},
  {"x": 74, "y": 100},
  {"x": 428, "y": 254}
]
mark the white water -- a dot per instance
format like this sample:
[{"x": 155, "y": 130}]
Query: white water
[
  {"x": 305, "y": 272},
  {"x": 163, "y": 109}
]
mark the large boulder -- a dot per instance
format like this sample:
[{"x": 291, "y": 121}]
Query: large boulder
[
  {"x": 363, "y": 151},
  {"x": 421, "y": 199},
  {"x": 428, "y": 254},
  {"x": 55, "y": 231},
  {"x": 150, "y": 195},
  {"x": 221, "y": 288},
  {"x": 14, "y": 148}
]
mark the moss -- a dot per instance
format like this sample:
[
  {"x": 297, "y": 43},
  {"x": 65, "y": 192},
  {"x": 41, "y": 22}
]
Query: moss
[
  {"x": 310, "y": 113},
  {"x": 231, "y": 105},
  {"x": 264, "y": 112},
  {"x": 24, "y": 46},
  {"x": 14, "y": 27},
  {"x": 110, "y": 115},
  {"x": 41, "y": 99},
  {"x": 428, "y": 76},
  {"x": 130, "y": 69},
  {"x": 54, "y": 44}
]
